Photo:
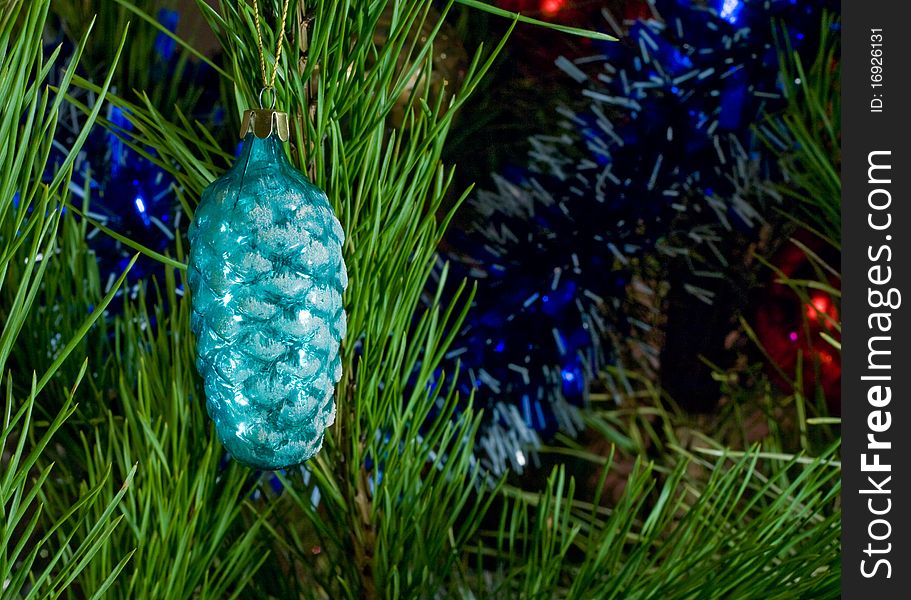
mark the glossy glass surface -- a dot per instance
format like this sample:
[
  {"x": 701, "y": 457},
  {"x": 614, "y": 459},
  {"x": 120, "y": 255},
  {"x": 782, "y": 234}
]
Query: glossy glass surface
[{"x": 266, "y": 276}]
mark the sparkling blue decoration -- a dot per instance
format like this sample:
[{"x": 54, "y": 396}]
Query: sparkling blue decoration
[
  {"x": 266, "y": 276},
  {"x": 572, "y": 252},
  {"x": 730, "y": 10}
]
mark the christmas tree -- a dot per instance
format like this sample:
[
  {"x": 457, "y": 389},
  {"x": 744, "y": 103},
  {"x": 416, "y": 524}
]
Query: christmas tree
[{"x": 114, "y": 483}]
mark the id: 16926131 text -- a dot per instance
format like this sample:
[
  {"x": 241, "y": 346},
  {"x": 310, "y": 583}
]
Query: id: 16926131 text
[{"x": 876, "y": 69}]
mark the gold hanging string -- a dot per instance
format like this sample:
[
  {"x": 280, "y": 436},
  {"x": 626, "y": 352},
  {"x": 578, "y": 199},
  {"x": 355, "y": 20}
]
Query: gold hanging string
[{"x": 269, "y": 82}]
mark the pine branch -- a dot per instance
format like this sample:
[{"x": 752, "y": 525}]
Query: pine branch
[
  {"x": 387, "y": 188},
  {"x": 808, "y": 132},
  {"x": 44, "y": 546},
  {"x": 395, "y": 504}
]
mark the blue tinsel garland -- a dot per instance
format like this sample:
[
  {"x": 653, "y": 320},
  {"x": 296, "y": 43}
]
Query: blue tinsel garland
[{"x": 662, "y": 162}]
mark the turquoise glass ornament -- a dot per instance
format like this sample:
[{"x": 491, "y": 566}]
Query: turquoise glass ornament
[{"x": 266, "y": 276}]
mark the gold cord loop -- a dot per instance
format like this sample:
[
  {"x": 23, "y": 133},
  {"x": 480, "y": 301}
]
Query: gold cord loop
[{"x": 269, "y": 82}]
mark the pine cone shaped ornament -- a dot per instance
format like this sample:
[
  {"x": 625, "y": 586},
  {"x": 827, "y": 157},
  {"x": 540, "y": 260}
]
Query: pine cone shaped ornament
[{"x": 266, "y": 276}]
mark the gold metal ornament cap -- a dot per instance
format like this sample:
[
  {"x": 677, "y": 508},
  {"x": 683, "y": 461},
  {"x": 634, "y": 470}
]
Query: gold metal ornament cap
[{"x": 263, "y": 122}]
